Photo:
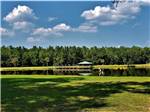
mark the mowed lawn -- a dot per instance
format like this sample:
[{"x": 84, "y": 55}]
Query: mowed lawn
[{"x": 43, "y": 93}]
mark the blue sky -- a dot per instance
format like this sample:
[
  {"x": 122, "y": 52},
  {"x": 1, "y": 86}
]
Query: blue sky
[{"x": 85, "y": 23}]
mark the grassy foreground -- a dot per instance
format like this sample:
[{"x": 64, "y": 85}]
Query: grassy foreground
[{"x": 41, "y": 93}]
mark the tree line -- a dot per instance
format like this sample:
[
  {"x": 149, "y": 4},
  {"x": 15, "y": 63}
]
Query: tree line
[{"x": 67, "y": 56}]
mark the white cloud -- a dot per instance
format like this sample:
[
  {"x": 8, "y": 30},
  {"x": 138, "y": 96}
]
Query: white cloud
[
  {"x": 24, "y": 26},
  {"x": 39, "y": 34},
  {"x": 143, "y": 2},
  {"x": 44, "y": 32},
  {"x": 51, "y": 19},
  {"x": 128, "y": 8},
  {"x": 61, "y": 27},
  {"x": 20, "y": 18},
  {"x": 98, "y": 11},
  {"x": 33, "y": 40},
  {"x": 107, "y": 15},
  {"x": 56, "y": 30},
  {"x": 107, "y": 23},
  {"x": 85, "y": 27},
  {"x": 21, "y": 13},
  {"x": 6, "y": 32}
]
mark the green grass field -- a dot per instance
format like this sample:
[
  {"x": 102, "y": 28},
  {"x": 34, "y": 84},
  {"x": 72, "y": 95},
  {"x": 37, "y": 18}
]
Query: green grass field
[{"x": 42, "y": 93}]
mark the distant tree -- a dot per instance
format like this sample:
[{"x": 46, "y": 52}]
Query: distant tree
[
  {"x": 14, "y": 61},
  {"x": 38, "y": 56}
]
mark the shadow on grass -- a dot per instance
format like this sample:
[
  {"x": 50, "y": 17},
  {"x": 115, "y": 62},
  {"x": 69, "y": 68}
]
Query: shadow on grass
[{"x": 29, "y": 95}]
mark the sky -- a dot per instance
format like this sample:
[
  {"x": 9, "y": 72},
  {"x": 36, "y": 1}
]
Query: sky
[{"x": 75, "y": 23}]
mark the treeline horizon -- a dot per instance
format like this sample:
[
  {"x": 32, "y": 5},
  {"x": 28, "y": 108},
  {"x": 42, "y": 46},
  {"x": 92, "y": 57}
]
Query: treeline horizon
[
  {"x": 72, "y": 55},
  {"x": 75, "y": 46}
]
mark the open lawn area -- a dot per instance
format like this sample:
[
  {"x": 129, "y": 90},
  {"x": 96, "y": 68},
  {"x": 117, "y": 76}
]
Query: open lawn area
[{"x": 43, "y": 93}]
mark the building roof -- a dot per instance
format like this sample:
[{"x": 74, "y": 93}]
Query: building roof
[{"x": 85, "y": 63}]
